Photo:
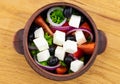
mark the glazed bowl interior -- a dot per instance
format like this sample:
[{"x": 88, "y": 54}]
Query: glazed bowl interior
[{"x": 29, "y": 28}]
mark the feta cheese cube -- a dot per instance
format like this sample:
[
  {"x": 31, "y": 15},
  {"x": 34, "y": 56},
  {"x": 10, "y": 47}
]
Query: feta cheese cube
[
  {"x": 70, "y": 46},
  {"x": 59, "y": 37},
  {"x": 43, "y": 56},
  {"x": 41, "y": 43},
  {"x": 39, "y": 33},
  {"x": 75, "y": 21},
  {"x": 60, "y": 53},
  {"x": 80, "y": 37},
  {"x": 76, "y": 65}
]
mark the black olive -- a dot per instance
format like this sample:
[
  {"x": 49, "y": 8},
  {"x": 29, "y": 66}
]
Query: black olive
[
  {"x": 67, "y": 12},
  {"x": 86, "y": 58},
  {"x": 52, "y": 49},
  {"x": 71, "y": 37},
  {"x": 34, "y": 27},
  {"x": 52, "y": 61},
  {"x": 82, "y": 20},
  {"x": 68, "y": 59},
  {"x": 31, "y": 37},
  {"x": 32, "y": 47}
]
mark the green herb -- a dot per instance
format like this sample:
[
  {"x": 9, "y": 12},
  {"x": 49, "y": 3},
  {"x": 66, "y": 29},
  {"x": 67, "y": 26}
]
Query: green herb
[
  {"x": 47, "y": 20},
  {"x": 68, "y": 19},
  {"x": 57, "y": 16},
  {"x": 44, "y": 63},
  {"x": 88, "y": 39},
  {"x": 75, "y": 12},
  {"x": 34, "y": 52},
  {"x": 49, "y": 39},
  {"x": 62, "y": 63},
  {"x": 82, "y": 58},
  {"x": 37, "y": 51},
  {"x": 69, "y": 71},
  {"x": 32, "y": 44}
]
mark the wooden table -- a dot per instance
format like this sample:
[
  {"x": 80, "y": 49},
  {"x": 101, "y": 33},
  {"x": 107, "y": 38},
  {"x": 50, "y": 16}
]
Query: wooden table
[{"x": 15, "y": 70}]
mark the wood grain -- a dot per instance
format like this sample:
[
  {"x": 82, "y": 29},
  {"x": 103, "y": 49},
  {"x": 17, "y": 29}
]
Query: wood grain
[{"x": 13, "y": 66}]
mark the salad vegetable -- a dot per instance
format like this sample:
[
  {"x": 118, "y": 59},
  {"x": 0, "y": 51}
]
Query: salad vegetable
[
  {"x": 39, "y": 20},
  {"x": 67, "y": 12},
  {"x": 44, "y": 63},
  {"x": 61, "y": 70},
  {"x": 86, "y": 26},
  {"x": 48, "y": 38},
  {"x": 87, "y": 48},
  {"x": 52, "y": 50},
  {"x": 78, "y": 54},
  {"x": 45, "y": 66},
  {"x": 82, "y": 58},
  {"x": 61, "y": 28},
  {"x": 52, "y": 61},
  {"x": 55, "y": 16},
  {"x": 62, "y": 63},
  {"x": 68, "y": 59},
  {"x": 83, "y": 29},
  {"x": 34, "y": 52},
  {"x": 32, "y": 46}
]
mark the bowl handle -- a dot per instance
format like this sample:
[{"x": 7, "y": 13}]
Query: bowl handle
[
  {"x": 102, "y": 42},
  {"x": 18, "y": 41}
]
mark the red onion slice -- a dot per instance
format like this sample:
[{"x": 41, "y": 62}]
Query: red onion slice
[
  {"x": 83, "y": 29},
  {"x": 61, "y": 28},
  {"x": 72, "y": 56},
  {"x": 50, "y": 68}
]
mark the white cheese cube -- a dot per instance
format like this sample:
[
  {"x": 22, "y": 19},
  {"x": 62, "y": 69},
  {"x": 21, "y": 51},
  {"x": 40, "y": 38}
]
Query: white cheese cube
[
  {"x": 43, "y": 56},
  {"x": 39, "y": 33},
  {"x": 80, "y": 37},
  {"x": 75, "y": 21},
  {"x": 70, "y": 46},
  {"x": 60, "y": 53},
  {"x": 76, "y": 65},
  {"x": 59, "y": 37},
  {"x": 41, "y": 43}
]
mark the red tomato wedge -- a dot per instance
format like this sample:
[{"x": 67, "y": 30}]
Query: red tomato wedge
[
  {"x": 86, "y": 26},
  {"x": 65, "y": 24},
  {"x": 61, "y": 70},
  {"x": 87, "y": 48},
  {"x": 78, "y": 54}
]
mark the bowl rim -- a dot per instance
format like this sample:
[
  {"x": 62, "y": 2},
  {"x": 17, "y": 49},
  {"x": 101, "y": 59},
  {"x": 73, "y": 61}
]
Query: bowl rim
[{"x": 43, "y": 72}]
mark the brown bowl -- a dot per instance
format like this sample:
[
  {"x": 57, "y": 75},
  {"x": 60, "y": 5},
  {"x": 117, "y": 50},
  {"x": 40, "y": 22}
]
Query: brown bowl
[{"x": 21, "y": 44}]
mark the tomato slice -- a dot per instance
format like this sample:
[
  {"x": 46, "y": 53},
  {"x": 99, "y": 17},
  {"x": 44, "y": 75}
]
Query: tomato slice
[
  {"x": 61, "y": 70},
  {"x": 87, "y": 48},
  {"x": 65, "y": 24},
  {"x": 86, "y": 26},
  {"x": 78, "y": 54}
]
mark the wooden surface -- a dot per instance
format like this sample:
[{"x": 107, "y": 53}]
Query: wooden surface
[{"x": 13, "y": 66}]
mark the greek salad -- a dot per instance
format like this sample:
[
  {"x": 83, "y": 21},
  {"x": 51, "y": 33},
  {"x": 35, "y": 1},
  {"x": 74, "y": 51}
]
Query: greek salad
[{"x": 61, "y": 40}]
